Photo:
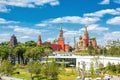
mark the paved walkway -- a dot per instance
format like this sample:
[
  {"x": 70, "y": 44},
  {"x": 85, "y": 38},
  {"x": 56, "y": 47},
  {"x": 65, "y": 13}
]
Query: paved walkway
[
  {"x": 10, "y": 78},
  {"x": 115, "y": 78}
]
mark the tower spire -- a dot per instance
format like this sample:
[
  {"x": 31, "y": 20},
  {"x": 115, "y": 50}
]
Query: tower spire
[
  {"x": 85, "y": 38},
  {"x": 61, "y": 32},
  {"x": 60, "y": 27},
  {"x": 86, "y": 31}
]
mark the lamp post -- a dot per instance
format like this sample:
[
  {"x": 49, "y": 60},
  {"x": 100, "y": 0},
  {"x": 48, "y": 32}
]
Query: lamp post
[
  {"x": 103, "y": 55},
  {"x": 82, "y": 71},
  {"x": 30, "y": 69},
  {"x": 0, "y": 65},
  {"x": 78, "y": 77}
]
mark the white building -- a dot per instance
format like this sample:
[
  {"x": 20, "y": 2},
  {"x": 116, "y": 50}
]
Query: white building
[{"x": 87, "y": 59}]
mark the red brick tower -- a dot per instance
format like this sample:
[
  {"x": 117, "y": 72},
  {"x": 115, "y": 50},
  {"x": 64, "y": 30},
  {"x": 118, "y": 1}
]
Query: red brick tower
[
  {"x": 13, "y": 41},
  {"x": 39, "y": 42},
  {"x": 94, "y": 43},
  {"x": 85, "y": 38},
  {"x": 61, "y": 40}
]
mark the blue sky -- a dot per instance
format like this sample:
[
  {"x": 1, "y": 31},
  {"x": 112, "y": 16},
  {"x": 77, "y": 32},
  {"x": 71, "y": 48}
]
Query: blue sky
[{"x": 29, "y": 18}]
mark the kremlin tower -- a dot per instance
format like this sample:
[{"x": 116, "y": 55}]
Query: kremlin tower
[
  {"x": 59, "y": 44},
  {"x": 39, "y": 42},
  {"x": 13, "y": 41},
  {"x": 64, "y": 47},
  {"x": 61, "y": 39}
]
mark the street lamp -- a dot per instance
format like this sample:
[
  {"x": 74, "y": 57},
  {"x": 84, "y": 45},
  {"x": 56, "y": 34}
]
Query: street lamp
[
  {"x": 82, "y": 71},
  {"x": 103, "y": 55},
  {"x": 30, "y": 68},
  {"x": 78, "y": 77},
  {"x": 0, "y": 65}
]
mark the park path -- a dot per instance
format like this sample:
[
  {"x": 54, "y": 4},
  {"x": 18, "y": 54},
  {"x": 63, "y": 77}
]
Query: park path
[{"x": 10, "y": 78}]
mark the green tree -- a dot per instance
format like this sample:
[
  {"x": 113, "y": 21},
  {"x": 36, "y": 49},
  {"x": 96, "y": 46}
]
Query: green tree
[
  {"x": 34, "y": 52},
  {"x": 70, "y": 49},
  {"x": 96, "y": 62},
  {"x": 4, "y": 52},
  {"x": 30, "y": 43},
  {"x": 90, "y": 50},
  {"x": 101, "y": 66},
  {"x": 6, "y": 67},
  {"x": 113, "y": 68},
  {"x": 108, "y": 67},
  {"x": 6, "y": 43},
  {"x": 113, "y": 51},
  {"x": 19, "y": 50},
  {"x": 63, "y": 65},
  {"x": 50, "y": 70},
  {"x": 47, "y": 50},
  {"x": 36, "y": 67},
  {"x": 118, "y": 68},
  {"x": 92, "y": 71}
]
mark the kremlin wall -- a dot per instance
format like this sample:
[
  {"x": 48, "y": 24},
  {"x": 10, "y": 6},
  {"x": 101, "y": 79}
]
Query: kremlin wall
[{"x": 59, "y": 44}]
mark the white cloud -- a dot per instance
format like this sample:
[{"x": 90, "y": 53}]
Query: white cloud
[
  {"x": 54, "y": 3},
  {"x": 71, "y": 19},
  {"x": 95, "y": 27},
  {"x": 74, "y": 19},
  {"x": 112, "y": 36},
  {"x": 28, "y": 31},
  {"x": 70, "y": 33},
  {"x": 3, "y": 21},
  {"x": 28, "y": 3},
  {"x": 114, "y": 21},
  {"x": 41, "y": 24},
  {"x": 25, "y": 37},
  {"x": 50, "y": 39},
  {"x": 115, "y": 35},
  {"x": 4, "y": 37},
  {"x": 4, "y": 34},
  {"x": 105, "y": 2},
  {"x": 103, "y": 12},
  {"x": 3, "y": 8}
]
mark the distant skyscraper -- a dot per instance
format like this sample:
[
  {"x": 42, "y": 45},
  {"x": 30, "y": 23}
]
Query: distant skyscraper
[{"x": 13, "y": 41}]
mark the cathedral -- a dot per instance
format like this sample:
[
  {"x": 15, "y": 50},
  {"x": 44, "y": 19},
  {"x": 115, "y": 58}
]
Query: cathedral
[
  {"x": 57, "y": 45},
  {"x": 85, "y": 41}
]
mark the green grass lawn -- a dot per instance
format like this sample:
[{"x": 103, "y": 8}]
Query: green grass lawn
[{"x": 69, "y": 74}]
